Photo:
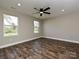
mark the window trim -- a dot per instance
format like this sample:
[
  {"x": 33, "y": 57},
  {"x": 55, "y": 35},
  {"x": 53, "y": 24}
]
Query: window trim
[
  {"x": 38, "y": 27},
  {"x": 6, "y": 25}
]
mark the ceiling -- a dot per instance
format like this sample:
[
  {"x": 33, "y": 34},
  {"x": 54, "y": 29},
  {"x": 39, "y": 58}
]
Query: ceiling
[{"x": 28, "y": 6}]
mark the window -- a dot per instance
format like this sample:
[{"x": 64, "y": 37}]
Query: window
[
  {"x": 36, "y": 27},
  {"x": 10, "y": 25}
]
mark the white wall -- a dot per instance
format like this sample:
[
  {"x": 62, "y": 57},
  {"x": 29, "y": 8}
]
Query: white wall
[
  {"x": 63, "y": 27},
  {"x": 25, "y": 28}
]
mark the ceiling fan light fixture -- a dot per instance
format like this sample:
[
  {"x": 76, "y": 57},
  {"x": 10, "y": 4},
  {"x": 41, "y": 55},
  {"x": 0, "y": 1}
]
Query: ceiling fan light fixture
[{"x": 41, "y": 12}]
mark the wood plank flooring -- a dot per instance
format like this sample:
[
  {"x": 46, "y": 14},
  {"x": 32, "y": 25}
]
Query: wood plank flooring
[{"x": 41, "y": 49}]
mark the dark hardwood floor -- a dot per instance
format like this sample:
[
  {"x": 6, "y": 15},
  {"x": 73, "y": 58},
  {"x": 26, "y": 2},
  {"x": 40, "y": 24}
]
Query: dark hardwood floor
[{"x": 41, "y": 49}]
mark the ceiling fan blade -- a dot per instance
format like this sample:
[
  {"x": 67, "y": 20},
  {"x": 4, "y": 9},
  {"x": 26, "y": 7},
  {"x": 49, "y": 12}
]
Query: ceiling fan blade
[
  {"x": 47, "y": 9},
  {"x": 41, "y": 14},
  {"x": 47, "y": 12},
  {"x": 36, "y": 9}
]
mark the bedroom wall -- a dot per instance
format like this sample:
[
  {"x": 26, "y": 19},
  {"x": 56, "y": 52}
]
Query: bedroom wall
[
  {"x": 64, "y": 27},
  {"x": 25, "y": 28}
]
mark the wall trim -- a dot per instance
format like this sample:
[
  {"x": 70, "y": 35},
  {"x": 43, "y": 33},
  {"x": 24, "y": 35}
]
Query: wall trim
[
  {"x": 8, "y": 45},
  {"x": 72, "y": 41}
]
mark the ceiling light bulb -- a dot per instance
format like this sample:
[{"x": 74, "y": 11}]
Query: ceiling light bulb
[
  {"x": 19, "y": 4},
  {"x": 62, "y": 10},
  {"x": 41, "y": 12}
]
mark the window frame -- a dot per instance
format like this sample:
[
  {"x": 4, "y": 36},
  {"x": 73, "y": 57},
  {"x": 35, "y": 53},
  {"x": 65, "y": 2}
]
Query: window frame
[
  {"x": 4, "y": 34},
  {"x": 38, "y": 26}
]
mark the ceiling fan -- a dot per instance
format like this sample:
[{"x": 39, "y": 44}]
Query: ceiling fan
[{"x": 42, "y": 11}]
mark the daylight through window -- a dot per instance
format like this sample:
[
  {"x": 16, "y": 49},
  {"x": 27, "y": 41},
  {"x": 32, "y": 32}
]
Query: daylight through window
[
  {"x": 10, "y": 25},
  {"x": 36, "y": 26}
]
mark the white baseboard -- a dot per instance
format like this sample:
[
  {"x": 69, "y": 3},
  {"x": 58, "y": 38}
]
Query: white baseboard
[
  {"x": 4, "y": 46},
  {"x": 63, "y": 40}
]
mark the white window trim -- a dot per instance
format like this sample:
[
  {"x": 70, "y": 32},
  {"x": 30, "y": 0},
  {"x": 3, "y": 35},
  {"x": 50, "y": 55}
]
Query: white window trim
[
  {"x": 4, "y": 26},
  {"x": 38, "y": 26}
]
